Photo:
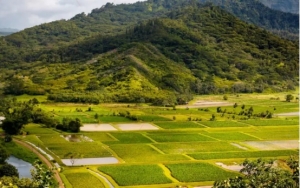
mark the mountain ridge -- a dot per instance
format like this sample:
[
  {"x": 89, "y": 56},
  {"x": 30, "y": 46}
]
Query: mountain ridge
[{"x": 194, "y": 50}]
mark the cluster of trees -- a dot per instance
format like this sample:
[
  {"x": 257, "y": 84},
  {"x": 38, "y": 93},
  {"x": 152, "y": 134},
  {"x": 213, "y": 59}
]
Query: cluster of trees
[
  {"x": 265, "y": 173},
  {"x": 69, "y": 124},
  {"x": 247, "y": 112},
  {"x": 17, "y": 114}
]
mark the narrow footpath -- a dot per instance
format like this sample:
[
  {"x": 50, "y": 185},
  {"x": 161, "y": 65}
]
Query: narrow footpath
[{"x": 44, "y": 159}]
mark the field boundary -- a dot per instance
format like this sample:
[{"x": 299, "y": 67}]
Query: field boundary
[
  {"x": 168, "y": 173},
  {"x": 106, "y": 181}
]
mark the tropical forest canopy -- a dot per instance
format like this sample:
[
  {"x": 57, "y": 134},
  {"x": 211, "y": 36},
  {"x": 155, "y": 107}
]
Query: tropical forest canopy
[{"x": 157, "y": 51}]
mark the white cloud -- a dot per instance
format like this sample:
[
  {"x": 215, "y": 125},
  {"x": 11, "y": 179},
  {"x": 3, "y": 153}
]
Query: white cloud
[{"x": 20, "y": 14}]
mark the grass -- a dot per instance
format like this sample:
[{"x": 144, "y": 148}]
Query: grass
[
  {"x": 178, "y": 137},
  {"x": 271, "y": 122},
  {"x": 223, "y": 124},
  {"x": 195, "y": 147},
  {"x": 99, "y": 137},
  {"x": 230, "y": 136},
  {"x": 143, "y": 153},
  {"x": 52, "y": 139},
  {"x": 276, "y": 135},
  {"x": 245, "y": 154},
  {"x": 79, "y": 150},
  {"x": 83, "y": 180},
  {"x": 197, "y": 172},
  {"x": 20, "y": 152},
  {"x": 178, "y": 125},
  {"x": 113, "y": 119},
  {"x": 38, "y": 129},
  {"x": 126, "y": 175},
  {"x": 148, "y": 118},
  {"x": 128, "y": 138}
]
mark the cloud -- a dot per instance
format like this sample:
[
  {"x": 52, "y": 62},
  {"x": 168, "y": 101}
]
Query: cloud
[{"x": 20, "y": 14}]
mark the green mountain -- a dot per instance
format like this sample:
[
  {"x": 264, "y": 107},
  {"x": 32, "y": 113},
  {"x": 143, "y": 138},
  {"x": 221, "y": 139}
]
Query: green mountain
[
  {"x": 291, "y": 6},
  {"x": 114, "y": 19},
  {"x": 198, "y": 49}
]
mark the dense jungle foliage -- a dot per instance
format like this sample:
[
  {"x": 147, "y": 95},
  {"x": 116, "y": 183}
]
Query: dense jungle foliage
[
  {"x": 195, "y": 49},
  {"x": 114, "y": 19}
]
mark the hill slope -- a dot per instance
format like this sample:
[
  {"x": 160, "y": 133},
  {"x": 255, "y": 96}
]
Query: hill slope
[{"x": 193, "y": 50}]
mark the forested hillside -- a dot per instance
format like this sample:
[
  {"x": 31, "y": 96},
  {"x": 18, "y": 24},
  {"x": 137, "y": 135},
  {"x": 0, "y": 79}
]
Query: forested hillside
[
  {"x": 198, "y": 49},
  {"x": 114, "y": 19},
  {"x": 291, "y": 6}
]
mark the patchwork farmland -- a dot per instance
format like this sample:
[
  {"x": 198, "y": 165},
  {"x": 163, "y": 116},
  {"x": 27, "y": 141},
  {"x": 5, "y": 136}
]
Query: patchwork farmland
[{"x": 165, "y": 146}]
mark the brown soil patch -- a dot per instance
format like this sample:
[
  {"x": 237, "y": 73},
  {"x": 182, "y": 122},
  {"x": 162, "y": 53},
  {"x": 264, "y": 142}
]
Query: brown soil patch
[
  {"x": 274, "y": 145},
  {"x": 199, "y": 104}
]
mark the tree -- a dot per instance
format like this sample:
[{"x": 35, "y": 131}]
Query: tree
[
  {"x": 3, "y": 154},
  {"x": 93, "y": 85},
  {"x": 8, "y": 170},
  {"x": 41, "y": 176},
  {"x": 289, "y": 97},
  {"x": 15, "y": 86},
  {"x": 261, "y": 174},
  {"x": 7, "y": 138},
  {"x": 225, "y": 97},
  {"x": 74, "y": 125}
]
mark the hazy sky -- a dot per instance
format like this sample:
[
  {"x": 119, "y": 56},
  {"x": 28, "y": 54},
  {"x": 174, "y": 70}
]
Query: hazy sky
[{"x": 20, "y": 14}]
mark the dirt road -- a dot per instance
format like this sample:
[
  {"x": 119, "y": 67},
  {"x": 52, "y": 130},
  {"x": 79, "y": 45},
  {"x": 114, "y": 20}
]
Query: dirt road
[{"x": 44, "y": 159}]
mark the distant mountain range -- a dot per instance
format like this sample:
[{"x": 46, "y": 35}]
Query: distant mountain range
[
  {"x": 7, "y": 31},
  {"x": 158, "y": 51},
  {"x": 291, "y": 6}
]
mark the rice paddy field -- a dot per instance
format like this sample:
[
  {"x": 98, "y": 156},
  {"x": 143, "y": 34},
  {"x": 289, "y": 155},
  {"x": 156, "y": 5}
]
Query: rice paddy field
[{"x": 166, "y": 147}]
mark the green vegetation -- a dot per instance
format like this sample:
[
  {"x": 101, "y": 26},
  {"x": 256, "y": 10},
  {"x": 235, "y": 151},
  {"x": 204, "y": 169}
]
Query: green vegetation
[
  {"x": 128, "y": 138},
  {"x": 143, "y": 153},
  {"x": 195, "y": 172},
  {"x": 150, "y": 118},
  {"x": 232, "y": 136},
  {"x": 41, "y": 177},
  {"x": 184, "y": 153},
  {"x": 223, "y": 124},
  {"x": 20, "y": 152},
  {"x": 178, "y": 137},
  {"x": 83, "y": 180},
  {"x": 262, "y": 173},
  {"x": 79, "y": 150},
  {"x": 178, "y": 125},
  {"x": 276, "y": 122},
  {"x": 124, "y": 62},
  {"x": 195, "y": 147},
  {"x": 136, "y": 174},
  {"x": 100, "y": 137},
  {"x": 280, "y": 134},
  {"x": 242, "y": 155}
]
